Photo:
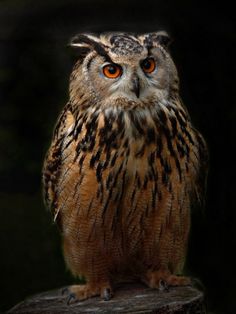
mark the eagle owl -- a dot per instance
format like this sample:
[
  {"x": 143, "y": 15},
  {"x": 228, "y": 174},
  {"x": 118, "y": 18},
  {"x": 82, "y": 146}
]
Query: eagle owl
[{"x": 124, "y": 166}]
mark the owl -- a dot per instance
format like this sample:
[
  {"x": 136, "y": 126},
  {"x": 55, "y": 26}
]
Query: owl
[{"x": 125, "y": 165}]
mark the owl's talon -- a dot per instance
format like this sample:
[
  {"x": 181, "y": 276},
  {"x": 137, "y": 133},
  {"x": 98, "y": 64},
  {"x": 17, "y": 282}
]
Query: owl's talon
[
  {"x": 71, "y": 299},
  {"x": 64, "y": 291},
  {"x": 82, "y": 292},
  {"x": 163, "y": 286},
  {"x": 163, "y": 279},
  {"x": 107, "y": 294}
]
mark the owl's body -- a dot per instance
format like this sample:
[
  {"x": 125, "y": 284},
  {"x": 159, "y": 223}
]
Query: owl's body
[{"x": 124, "y": 165}]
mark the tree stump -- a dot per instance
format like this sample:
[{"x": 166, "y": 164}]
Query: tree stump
[{"x": 129, "y": 298}]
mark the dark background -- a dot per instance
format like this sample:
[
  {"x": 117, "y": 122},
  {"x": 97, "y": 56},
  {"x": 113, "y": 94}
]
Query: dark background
[{"x": 34, "y": 71}]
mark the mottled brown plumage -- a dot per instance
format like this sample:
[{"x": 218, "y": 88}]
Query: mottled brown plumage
[{"x": 125, "y": 165}]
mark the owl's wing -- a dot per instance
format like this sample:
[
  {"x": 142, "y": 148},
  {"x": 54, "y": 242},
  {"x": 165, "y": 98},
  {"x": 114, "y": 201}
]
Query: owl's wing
[
  {"x": 53, "y": 159},
  {"x": 203, "y": 163}
]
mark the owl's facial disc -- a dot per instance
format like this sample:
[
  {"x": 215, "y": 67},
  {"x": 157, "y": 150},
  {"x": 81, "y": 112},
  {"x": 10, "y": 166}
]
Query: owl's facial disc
[
  {"x": 128, "y": 79},
  {"x": 140, "y": 77},
  {"x": 122, "y": 66}
]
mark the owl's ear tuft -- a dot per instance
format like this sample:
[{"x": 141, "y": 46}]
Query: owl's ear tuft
[
  {"x": 81, "y": 45},
  {"x": 163, "y": 39},
  {"x": 157, "y": 38}
]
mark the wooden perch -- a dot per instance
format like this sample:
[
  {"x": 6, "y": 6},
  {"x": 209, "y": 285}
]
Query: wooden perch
[{"x": 129, "y": 298}]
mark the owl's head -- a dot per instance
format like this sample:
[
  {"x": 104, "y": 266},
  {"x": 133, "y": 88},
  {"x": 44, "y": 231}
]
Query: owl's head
[{"x": 123, "y": 66}]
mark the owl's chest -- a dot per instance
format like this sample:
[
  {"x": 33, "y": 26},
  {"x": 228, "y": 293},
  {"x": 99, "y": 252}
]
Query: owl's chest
[
  {"x": 120, "y": 168},
  {"x": 125, "y": 147}
]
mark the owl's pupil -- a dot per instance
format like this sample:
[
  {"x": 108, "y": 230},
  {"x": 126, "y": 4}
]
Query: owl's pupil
[
  {"x": 112, "y": 69},
  {"x": 147, "y": 64}
]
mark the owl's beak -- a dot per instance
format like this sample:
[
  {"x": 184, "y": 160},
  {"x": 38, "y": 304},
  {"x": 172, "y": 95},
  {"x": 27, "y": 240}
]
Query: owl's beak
[{"x": 136, "y": 86}]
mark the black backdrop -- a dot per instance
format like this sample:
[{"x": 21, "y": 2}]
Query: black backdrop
[{"x": 34, "y": 70}]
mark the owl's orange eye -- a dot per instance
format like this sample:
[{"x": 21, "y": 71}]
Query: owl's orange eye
[
  {"x": 112, "y": 71},
  {"x": 148, "y": 65}
]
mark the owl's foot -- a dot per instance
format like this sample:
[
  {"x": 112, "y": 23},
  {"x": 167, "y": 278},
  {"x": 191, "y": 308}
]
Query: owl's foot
[
  {"x": 83, "y": 292},
  {"x": 163, "y": 279}
]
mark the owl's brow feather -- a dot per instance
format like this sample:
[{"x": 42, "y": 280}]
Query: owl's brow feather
[{"x": 97, "y": 46}]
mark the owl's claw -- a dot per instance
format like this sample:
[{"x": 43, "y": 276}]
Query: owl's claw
[
  {"x": 82, "y": 292},
  {"x": 163, "y": 279},
  {"x": 107, "y": 294},
  {"x": 71, "y": 299},
  {"x": 163, "y": 285},
  {"x": 64, "y": 291}
]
